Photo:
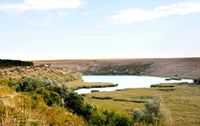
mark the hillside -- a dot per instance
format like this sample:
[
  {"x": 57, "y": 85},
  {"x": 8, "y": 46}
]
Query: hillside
[
  {"x": 183, "y": 67},
  {"x": 45, "y": 96},
  {"x": 55, "y": 74}
]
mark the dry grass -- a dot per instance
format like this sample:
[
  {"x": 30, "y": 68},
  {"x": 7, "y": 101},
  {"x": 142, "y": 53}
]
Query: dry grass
[
  {"x": 57, "y": 74},
  {"x": 181, "y": 103},
  {"x": 20, "y": 108}
]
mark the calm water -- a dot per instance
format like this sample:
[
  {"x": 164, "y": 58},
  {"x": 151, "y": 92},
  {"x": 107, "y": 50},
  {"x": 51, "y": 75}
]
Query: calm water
[{"x": 126, "y": 82}]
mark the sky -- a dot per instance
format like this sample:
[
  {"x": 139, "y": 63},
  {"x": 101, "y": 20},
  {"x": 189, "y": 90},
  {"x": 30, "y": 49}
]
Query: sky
[{"x": 95, "y": 29}]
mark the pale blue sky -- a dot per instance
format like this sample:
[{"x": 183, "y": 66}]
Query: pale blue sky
[{"x": 61, "y": 29}]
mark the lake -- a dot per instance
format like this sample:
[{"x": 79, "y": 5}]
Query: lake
[{"x": 126, "y": 82}]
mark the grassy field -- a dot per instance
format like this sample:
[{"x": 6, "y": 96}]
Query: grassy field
[
  {"x": 77, "y": 84},
  {"x": 179, "y": 102}
]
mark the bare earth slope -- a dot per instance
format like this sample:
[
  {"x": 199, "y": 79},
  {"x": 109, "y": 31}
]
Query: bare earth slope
[{"x": 184, "y": 67}]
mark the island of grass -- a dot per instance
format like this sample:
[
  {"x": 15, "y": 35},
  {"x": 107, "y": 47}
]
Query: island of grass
[{"x": 79, "y": 84}]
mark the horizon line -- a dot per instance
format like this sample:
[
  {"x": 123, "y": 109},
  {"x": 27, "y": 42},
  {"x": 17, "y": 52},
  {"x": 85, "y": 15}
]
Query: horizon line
[{"x": 115, "y": 58}]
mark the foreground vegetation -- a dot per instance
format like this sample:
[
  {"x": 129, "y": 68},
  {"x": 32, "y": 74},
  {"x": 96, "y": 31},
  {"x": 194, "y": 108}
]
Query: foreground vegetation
[
  {"x": 37, "y": 95},
  {"x": 32, "y": 98}
]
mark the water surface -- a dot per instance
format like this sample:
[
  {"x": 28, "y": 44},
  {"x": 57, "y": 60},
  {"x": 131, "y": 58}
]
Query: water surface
[{"x": 126, "y": 82}]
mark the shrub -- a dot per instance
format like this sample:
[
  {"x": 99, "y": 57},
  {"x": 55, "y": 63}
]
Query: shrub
[
  {"x": 152, "y": 111},
  {"x": 153, "y": 107},
  {"x": 137, "y": 116},
  {"x": 121, "y": 121},
  {"x": 108, "y": 118},
  {"x": 53, "y": 98},
  {"x": 151, "y": 114},
  {"x": 28, "y": 84},
  {"x": 97, "y": 119},
  {"x": 76, "y": 103},
  {"x": 54, "y": 94}
]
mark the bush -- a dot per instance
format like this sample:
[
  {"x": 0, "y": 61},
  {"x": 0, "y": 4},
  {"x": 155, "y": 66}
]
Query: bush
[
  {"x": 97, "y": 119},
  {"x": 28, "y": 84},
  {"x": 153, "y": 107},
  {"x": 137, "y": 116},
  {"x": 53, "y": 94},
  {"x": 121, "y": 121},
  {"x": 107, "y": 118},
  {"x": 151, "y": 114},
  {"x": 52, "y": 98},
  {"x": 76, "y": 103}
]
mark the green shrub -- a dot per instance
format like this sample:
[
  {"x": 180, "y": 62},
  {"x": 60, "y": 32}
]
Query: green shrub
[
  {"x": 121, "y": 120},
  {"x": 76, "y": 103},
  {"x": 108, "y": 118},
  {"x": 151, "y": 114},
  {"x": 153, "y": 107},
  {"x": 53, "y": 98},
  {"x": 137, "y": 116},
  {"x": 28, "y": 84},
  {"x": 97, "y": 119},
  {"x": 54, "y": 94}
]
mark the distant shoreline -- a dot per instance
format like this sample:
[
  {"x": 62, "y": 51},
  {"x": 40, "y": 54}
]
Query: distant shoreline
[{"x": 162, "y": 67}]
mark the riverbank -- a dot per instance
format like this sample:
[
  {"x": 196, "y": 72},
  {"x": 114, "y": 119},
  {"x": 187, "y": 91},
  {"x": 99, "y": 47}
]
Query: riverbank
[{"x": 180, "y": 101}]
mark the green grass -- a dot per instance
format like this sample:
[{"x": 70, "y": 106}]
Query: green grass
[
  {"x": 77, "y": 84},
  {"x": 180, "y": 101}
]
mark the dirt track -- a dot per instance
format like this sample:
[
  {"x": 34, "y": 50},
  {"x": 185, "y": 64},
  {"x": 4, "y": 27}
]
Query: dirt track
[{"x": 184, "y": 67}]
